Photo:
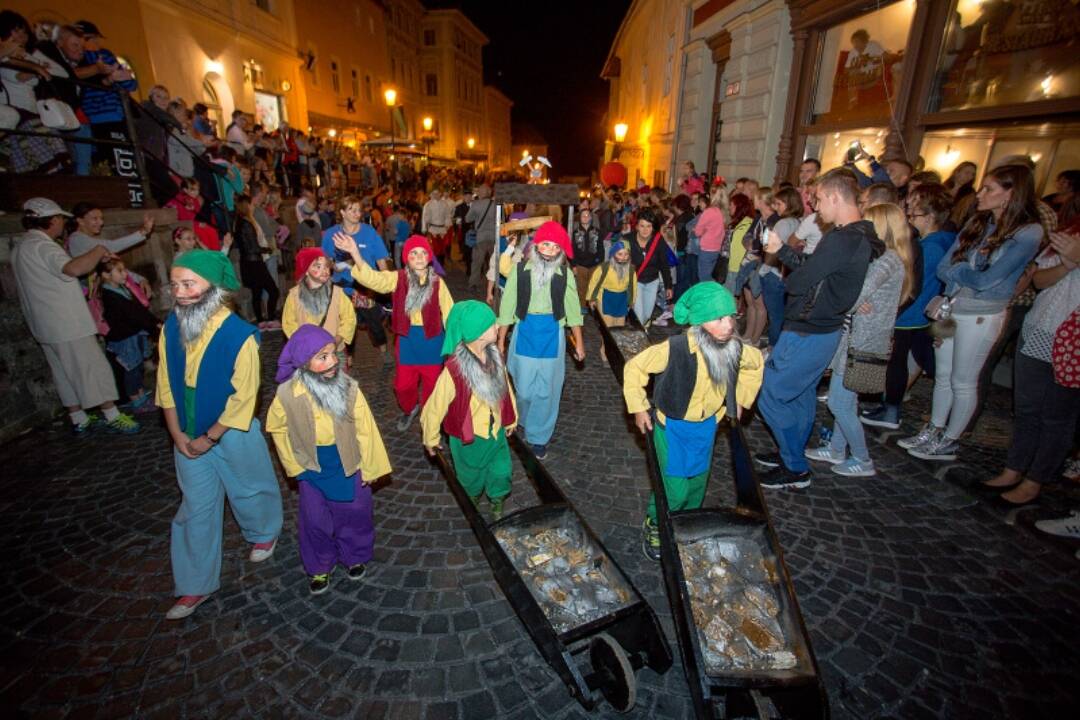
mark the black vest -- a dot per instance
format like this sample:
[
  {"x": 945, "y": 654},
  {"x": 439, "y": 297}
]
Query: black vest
[
  {"x": 524, "y": 292},
  {"x": 673, "y": 387}
]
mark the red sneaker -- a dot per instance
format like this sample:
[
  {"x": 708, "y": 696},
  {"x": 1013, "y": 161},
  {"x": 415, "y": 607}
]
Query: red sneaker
[
  {"x": 185, "y": 606},
  {"x": 262, "y": 551}
]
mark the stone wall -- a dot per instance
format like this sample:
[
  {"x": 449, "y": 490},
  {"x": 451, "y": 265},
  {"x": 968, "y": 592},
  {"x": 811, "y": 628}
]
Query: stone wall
[{"x": 27, "y": 397}]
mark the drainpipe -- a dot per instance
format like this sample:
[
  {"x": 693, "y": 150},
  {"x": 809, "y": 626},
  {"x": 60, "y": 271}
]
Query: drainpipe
[{"x": 687, "y": 27}]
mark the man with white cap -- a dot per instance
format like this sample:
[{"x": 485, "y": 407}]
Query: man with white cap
[{"x": 59, "y": 319}]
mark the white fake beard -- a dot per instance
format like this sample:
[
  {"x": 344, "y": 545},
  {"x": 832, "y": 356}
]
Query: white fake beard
[
  {"x": 487, "y": 379},
  {"x": 315, "y": 302},
  {"x": 192, "y": 318},
  {"x": 543, "y": 269},
  {"x": 721, "y": 356},
  {"x": 621, "y": 268},
  {"x": 330, "y": 394},
  {"x": 417, "y": 295}
]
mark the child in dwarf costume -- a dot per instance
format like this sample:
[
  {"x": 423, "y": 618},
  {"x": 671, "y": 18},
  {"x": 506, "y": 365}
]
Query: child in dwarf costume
[
  {"x": 541, "y": 299},
  {"x": 474, "y": 404},
  {"x": 314, "y": 300},
  {"x": 209, "y": 411},
  {"x": 327, "y": 439},
  {"x": 421, "y": 303},
  {"x": 612, "y": 288},
  {"x": 694, "y": 374}
]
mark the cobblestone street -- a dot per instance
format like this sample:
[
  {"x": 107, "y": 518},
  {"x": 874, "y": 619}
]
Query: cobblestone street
[{"x": 922, "y": 601}]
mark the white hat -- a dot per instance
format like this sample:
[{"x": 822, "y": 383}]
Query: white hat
[{"x": 42, "y": 208}]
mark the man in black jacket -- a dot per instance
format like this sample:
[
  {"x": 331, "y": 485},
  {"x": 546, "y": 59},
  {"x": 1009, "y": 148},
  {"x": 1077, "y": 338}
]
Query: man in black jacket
[
  {"x": 67, "y": 51},
  {"x": 822, "y": 288}
]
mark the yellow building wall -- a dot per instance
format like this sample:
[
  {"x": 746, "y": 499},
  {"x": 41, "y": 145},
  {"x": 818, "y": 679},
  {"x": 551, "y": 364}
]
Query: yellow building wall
[
  {"x": 176, "y": 45},
  {"x": 355, "y": 35}
]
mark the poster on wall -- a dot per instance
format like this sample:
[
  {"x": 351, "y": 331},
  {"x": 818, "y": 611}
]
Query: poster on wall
[{"x": 268, "y": 110}]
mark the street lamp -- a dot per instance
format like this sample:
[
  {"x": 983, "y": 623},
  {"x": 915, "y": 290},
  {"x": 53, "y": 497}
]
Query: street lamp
[
  {"x": 390, "y": 94},
  {"x": 471, "y": 142},
  {"x": 620, "y": 131},
  {"x": 428, "y": 123}
]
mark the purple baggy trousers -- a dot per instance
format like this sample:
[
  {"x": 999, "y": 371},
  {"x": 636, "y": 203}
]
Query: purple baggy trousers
[{"x": 335, "y": 532}]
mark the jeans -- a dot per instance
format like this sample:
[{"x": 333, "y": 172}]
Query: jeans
[
  {"x": 706, "y": 263},
  {"x": 1043, "y": 423},
  {"x": 645, "y": 300},
  {"x": 788, "y": 396},
  {"x": 772, "y": 292},
  {"x": 847, "y": 430},
  {"x": 916, "y": 342},
  {"x": 686, "y": 275},
  {"x": 81, "y": 152},
  {"x": 256, "y": 278},
  {"x": 958, "y": 362}
]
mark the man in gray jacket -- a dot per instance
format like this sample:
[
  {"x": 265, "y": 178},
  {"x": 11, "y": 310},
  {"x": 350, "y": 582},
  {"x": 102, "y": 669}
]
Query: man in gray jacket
[{"x": 482, "y": 216}]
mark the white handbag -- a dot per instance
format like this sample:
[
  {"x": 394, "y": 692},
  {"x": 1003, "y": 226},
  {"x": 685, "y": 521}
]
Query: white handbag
[{"x": 57, "y": 114}]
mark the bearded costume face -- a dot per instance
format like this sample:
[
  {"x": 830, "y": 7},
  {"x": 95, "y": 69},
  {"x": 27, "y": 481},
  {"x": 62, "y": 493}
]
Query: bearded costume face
[
  {"x": 486, "y": 377},
  {"x": 194, "y": 312},
  {"x": 419, "y": 291},
  {"x": 620, "y": 263},
  {"x": 314, "y": 301},
  {"x": 544, "y": 266},
  {"x": 721, "y": 356},
  {"x": 329, "y": 390}
]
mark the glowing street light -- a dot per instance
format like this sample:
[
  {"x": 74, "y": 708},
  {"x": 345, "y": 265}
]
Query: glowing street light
[
  {"x": 428, "y": 123},
  {"x": 620, "y": 131},
  {"x": 471, "y": 142},
  {"x": 391, "y": 97},
  {"x": 332, "y": 133}
]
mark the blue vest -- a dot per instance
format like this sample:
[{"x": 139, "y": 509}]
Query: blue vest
[{"x": 213, "y": 385}]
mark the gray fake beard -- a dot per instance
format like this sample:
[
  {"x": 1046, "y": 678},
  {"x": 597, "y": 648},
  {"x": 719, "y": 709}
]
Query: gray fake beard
[
  {"x": 721, "y": 356},
  {"x": 543, "y": 269},
  {"x": 487, "y": 379},
  {"x": 620, "y": 268},
  {"x": 330, "y": 395},
  {"x": 192, "y": 318},
  {"x": 315, "y": 302},
  {"x": 417, "y": 295}
]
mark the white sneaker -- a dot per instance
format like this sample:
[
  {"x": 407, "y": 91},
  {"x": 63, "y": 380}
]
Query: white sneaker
[
  {"x": 823, "y": 454},
  {"x": 1068, "y": 526},
  {"x": 262, "y": 551},
  {"x": 855, "y": 468}
]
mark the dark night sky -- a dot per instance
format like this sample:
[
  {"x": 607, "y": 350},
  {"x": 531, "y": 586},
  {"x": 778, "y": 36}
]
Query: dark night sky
[{"x": 547, "y": 58}]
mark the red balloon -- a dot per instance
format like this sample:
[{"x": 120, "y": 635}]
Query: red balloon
[{"x": 613, "y": 173}]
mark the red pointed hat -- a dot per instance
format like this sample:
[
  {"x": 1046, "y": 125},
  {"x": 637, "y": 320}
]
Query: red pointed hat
[
  {"x": 552, "y": 231},
  {"x": 416, "y": 241},
  {"x": 304, "y": 258}
]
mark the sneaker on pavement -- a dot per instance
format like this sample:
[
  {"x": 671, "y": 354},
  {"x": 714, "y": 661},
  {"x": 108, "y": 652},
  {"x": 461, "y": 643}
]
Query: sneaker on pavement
[
  {"x": 780, "y": 478},
  {"x": 139, "y": 401},
  {"x": 650, "y": 540},
  {"x": 262, "y": 551},
  {"x": 356, "y": 572},
  {"x": 767, "y": 459},
  {"x": 823, "y": 454},
  {"x": 927, "y": 432},
  {"x": 1068, "y": 526},
  {"x": 123, "y": 424},
  {"x": 540, "y": 451},
  {"x": 855, "y": 468},
  {"x": 84, "y": 429},
  {"x": 185, "y": 606},
  {"x": 884, "y": 416},
  {"x": 823, "y": 397},
  {"x": 318, "y": 584},
  {"x": 939, "y": 447},
  {"x": 405, "y": 421}
]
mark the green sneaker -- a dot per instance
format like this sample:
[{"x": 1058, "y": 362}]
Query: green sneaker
[
  {"x": 319, "y": 583},
  {"x": 84, "y": 430},
  {"x": 123, "y": 424},
  {"x": 650, "y": 540},
  {"x": 497, "y": 507}
]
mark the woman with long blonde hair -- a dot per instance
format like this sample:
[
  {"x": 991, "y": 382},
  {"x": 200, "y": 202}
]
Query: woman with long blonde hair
[
  {"x": 889, "y": 282},
  {"x": 710, "y": 229}
]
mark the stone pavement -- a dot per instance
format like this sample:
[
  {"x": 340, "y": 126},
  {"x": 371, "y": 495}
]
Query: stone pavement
[{"x": 921, "y": 601}]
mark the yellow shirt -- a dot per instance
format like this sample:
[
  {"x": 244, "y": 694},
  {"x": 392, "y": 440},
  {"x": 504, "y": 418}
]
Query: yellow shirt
[
  {"x": 483, "y": 414},
  {"x": 612, "y": 283},
  {"x": 374, "y": 462},
  {"x": 293, "y": 314},
  {"x": 240, "y": 407},
  {"x": 384, "y": 281},
  {"x": 707, "y": 399}
]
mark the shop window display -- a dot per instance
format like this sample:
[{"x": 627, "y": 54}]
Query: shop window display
[{"x": 1000, "y": 52}]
